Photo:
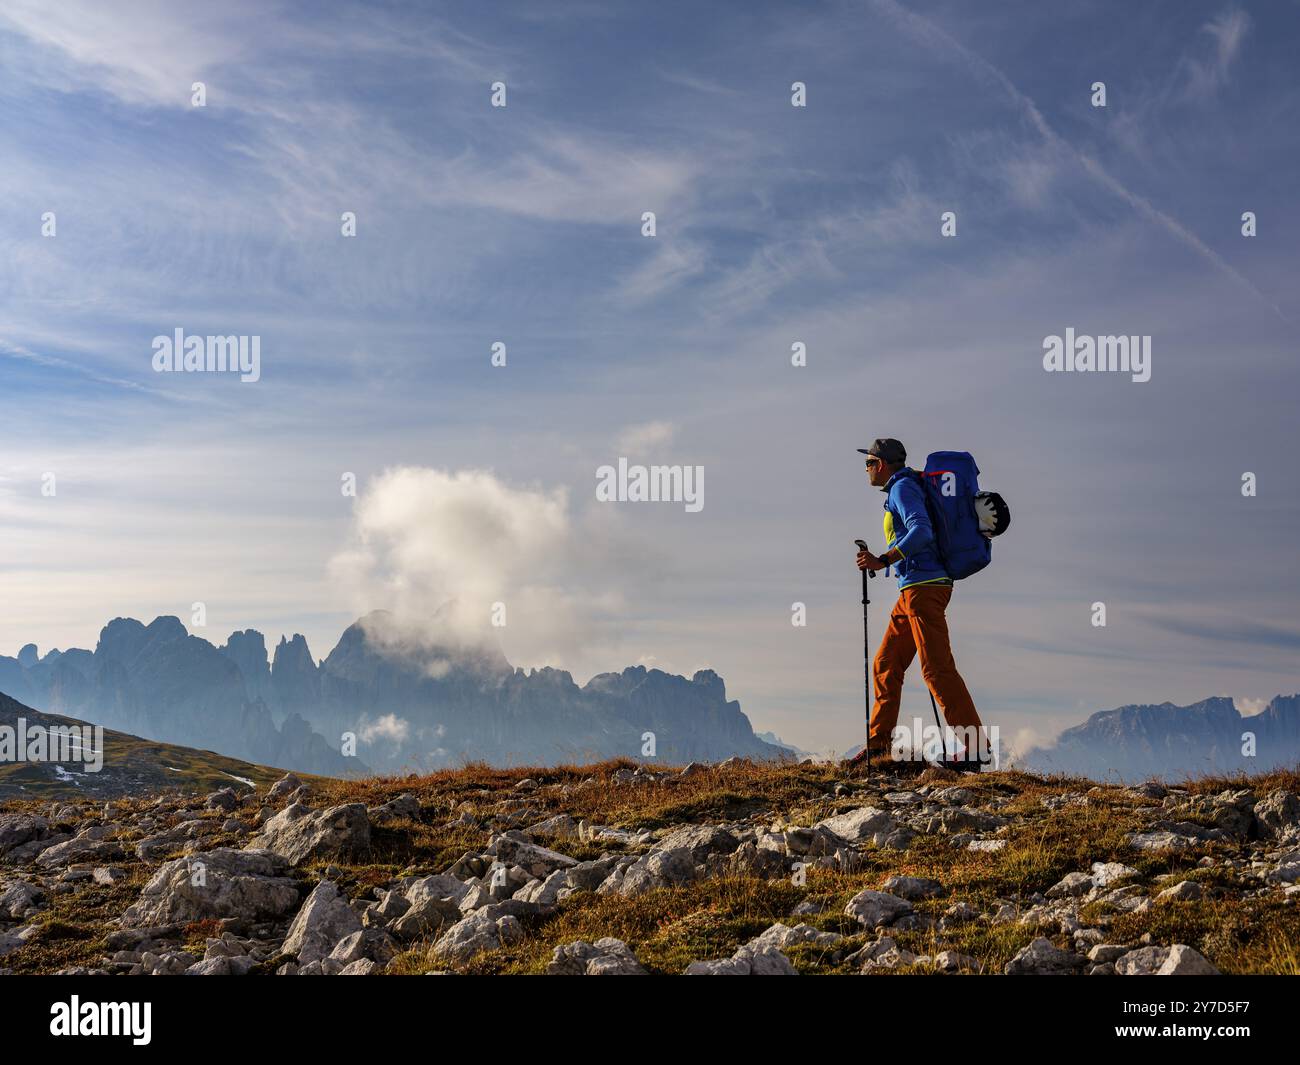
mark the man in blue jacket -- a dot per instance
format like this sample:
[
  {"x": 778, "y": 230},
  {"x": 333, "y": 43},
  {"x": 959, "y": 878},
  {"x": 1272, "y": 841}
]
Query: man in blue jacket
[{"x": 917, "y": 624}]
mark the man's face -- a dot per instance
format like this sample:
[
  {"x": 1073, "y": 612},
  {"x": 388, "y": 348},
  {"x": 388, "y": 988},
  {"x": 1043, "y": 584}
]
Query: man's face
[{"x": 878, "y": 472}]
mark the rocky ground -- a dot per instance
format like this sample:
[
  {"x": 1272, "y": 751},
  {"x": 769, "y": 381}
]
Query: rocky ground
[{"x": 737, "y": 868}]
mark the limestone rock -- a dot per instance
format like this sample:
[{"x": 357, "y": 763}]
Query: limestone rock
[
  {"x": 605, "y": 957},
  {"x": 747, "y": 961},
  {"x": 215, "y": 884},
  {"x": 859, "y": 825},
  {"x": 1041, "y": 958},
  {"x": 325, "y": 919},
  {"x": 874, "y": 908},
  {"x": 298, "y": 833}
]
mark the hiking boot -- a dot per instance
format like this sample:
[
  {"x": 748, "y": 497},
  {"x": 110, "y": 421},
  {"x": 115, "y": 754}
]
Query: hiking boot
[
  {"x": 882, "y": 762},
  {"x": 962, "y": 764},
  {"x": 900, "y": 766},
  {"x": 858, "y": 763}
]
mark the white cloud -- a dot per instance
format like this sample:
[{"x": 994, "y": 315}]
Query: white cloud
[
  {"x": 388, "y": 727},
  {"x": 441, "y": 549},
  {"x": 151, "y": 57},
  {"x": 636, "y": 439},
  {"x": 568, "y": 176}
]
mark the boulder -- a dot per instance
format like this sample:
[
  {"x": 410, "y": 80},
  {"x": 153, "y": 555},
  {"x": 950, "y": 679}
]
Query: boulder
[
  {"x": 548, "y": 891},
  {"x": 371, "y": 944},
  {"x": 859, "y": 825},
  {"x": 437, "y": 886},
  {"x": 224, "y": 799},
  {"x": 1178, "y": 960},
  {"x": 324, "y": 919},
  {"x": 428, "y": 916},
  {"x": 84, "y": 847},
  {"x": 20, "y": 898},
  {"x": 489, "y": 928},
  {"x": 781, "y": 936},
  {"x": 950, "y": 961},
  {"x": 659, "y": 869},
  {"x": 1184, "y": 961},
  {"x": 17, "y": 829},
  {"x": 605, "y": 957},
  {"x": 1070, "y": 886},
  {"x": 286, "y": 785},
  {"x": 221, "y": 966},
  {"x": 588, "y": 876},
  {"x": 913, "y": 887},
  {"x": 1106, "y": 873},
  {"x": 1041, "y": 958},
  {"x": 1184, "y": 889},
  {"x": 298, "y": 832},
  {"x": 215, "y": 884},
  {"x": 885, "y": 953},
  {"x": 1277, "y": 815},
  {"x": 1161, "y": 841},
  {"x": 699, "y": 840},
  {"x": 747, "y": 961},
  {"x": 561, "y": 826},
  {"x": 515, "y": 848},
  {"x": 403, "y": 808},
  {"x": 874, "y": 908}
]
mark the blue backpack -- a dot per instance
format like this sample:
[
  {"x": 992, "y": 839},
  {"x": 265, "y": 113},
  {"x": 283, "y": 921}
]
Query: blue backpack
[{"x": 965, "y": 520}]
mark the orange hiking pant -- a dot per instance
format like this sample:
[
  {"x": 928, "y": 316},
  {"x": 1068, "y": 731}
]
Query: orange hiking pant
[{"x": 917, "y": 626}]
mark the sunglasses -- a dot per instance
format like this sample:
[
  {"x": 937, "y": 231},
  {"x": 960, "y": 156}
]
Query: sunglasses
[{"x": 872, "y": 463}]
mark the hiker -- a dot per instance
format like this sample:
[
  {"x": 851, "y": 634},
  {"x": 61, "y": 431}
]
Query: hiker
[{"x": 917, "y": 626}]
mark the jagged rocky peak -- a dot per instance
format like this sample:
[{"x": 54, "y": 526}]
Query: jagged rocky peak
[
  {"x": 547, "y": 675},
  {"x": 1283, "y": 708},
  {"x": 381, "y": 642},
  {"x": 247, "y": 649},
  {"x": 294, "y": 676},
  {"x": 124, "y": 639},
  {"x": 1173, "y": 741},
  {"x": 244, "y": 640},
  {"x": 120, "y": 640},
  {"x": 710, "y": 682},
  {"x": 168, "y": 625},
  {"x": 705, "y": 682},
  {"x": 293, "y": 654}
]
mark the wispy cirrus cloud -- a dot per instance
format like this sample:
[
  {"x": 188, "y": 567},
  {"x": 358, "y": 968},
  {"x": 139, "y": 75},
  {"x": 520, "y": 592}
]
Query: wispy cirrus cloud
[
  {"x": 1208, "y": 72},
  {"x": 935, "y": 38}
]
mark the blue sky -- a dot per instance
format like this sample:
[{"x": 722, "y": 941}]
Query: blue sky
[{"x": 775, "y": 224}]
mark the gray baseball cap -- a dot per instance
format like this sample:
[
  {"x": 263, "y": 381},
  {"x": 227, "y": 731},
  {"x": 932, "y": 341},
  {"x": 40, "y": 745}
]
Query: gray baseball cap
[{"x": 887, "y": 449}]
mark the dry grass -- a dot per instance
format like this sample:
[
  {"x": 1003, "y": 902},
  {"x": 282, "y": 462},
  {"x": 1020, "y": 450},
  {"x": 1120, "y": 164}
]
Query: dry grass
[{"x": 667, "y": 929}]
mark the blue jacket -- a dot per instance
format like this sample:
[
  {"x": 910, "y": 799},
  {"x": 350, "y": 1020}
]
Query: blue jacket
[{"x": 908, "y": 528}]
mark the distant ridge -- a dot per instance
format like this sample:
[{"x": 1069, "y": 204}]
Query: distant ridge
[
  {"x": 1137, "y": 742},
  {"x": 159, "y": 681}
]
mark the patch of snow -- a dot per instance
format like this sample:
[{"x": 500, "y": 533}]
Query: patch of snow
[
  {"x": 242, "y": 780},
  {"x": 65, "y": 777}
]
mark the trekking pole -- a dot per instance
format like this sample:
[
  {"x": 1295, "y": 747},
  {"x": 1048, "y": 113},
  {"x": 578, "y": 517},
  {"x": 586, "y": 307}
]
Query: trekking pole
[
  {"x": 942, "y": 747},
  {"x": 866, "y": 650}
]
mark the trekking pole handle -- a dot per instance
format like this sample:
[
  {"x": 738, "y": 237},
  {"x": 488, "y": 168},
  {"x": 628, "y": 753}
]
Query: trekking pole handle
[{"x": 862, "y": 546}]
